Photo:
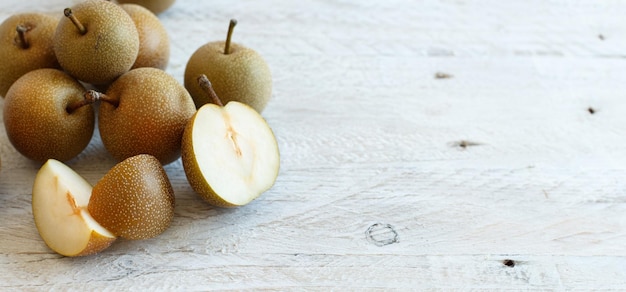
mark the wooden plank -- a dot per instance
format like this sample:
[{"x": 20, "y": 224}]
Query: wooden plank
[{"x": 324, "y": 271}]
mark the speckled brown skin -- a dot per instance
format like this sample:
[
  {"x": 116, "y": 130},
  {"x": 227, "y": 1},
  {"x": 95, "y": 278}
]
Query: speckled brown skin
[
  {"x": 156, "y": 6},
  {"x": 154, "y": 43},
  {"x": 107, "y": 50},
  {"x": 37, "y": 122},
  {"x": 17, "y": 60},
  {"x": 241, "y": 76},
  {"x": 97, "y": 243},
  {"x": 151, "y": 117},
  {"x": 134, "y": 199}
]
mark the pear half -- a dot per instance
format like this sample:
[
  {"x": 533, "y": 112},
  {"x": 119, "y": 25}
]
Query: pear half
[
  {"x": 134, "y": 199},
  {"x": 59, "y": 202},
  {"x": 229, "y": 154}
]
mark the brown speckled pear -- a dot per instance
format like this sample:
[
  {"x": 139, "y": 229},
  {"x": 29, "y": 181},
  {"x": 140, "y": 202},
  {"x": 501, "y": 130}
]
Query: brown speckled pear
[
  {"x": 145, "y": 112},
  {"x": 134, "y": 199},
  {"x": 236, "y": 72},
  {"x": 44, "y": 116},
  {"x": 25, "y": 45},
  {"x": 156, "y": 6},
  {"x": 96, "y": 42},
  {"x": 154, "y": 43}
]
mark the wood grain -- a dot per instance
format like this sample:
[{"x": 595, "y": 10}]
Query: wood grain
[{"x": 506, "y": 174}]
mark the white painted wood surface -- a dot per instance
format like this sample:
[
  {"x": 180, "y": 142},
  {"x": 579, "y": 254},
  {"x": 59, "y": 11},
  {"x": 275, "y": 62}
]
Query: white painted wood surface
[{"x": 391, "y": 178}]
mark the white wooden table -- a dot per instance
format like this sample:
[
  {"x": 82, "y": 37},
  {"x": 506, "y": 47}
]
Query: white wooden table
[{"x": 425, "y": 144}]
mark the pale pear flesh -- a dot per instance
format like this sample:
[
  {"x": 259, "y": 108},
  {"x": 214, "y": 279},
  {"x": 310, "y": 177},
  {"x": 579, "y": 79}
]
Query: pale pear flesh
[
  {"x": 59, "y": 201},
  {"x": 236, "y": 151}
]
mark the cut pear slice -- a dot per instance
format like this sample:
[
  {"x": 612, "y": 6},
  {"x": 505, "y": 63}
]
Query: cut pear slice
[
  {"x": 230, "y": 154},
  {"x": 60, "y": 199}
]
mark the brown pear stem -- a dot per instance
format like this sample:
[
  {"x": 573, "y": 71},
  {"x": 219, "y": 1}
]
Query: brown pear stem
[
  {"x": 21, "y": 34},
  {"x": 88, "y": 99},
  {"x": 231, "y": 27},
  {"x": 93, "y": 96},
  {"x": 68, "y": 13},
  {"x": 205, "y": 84}
]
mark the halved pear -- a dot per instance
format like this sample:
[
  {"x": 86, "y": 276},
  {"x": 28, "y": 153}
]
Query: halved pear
[
  {"x": 134, "y": 199},
  {"x": 229, "y": 153},
  {"x": 59, "y": 202}
]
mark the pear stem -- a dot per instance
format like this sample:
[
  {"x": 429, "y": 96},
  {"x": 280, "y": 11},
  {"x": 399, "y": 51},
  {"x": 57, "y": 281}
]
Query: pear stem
[
  {"x": 93, "y": 96},
  {"x": 231, "y": 27},
  {"x": 87, "y": 100},
  {"x": 68, "y": 13},
  {"x": 21, "y": 34},
  {"x": 205, "y": 84}
]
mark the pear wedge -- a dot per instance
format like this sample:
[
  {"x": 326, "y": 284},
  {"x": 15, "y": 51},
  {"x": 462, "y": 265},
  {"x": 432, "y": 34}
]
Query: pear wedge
[{"x": 59, "y": 201}]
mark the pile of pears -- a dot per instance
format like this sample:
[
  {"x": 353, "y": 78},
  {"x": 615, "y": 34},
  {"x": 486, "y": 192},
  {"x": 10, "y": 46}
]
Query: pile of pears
[{"x": 104, "y": 60}]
